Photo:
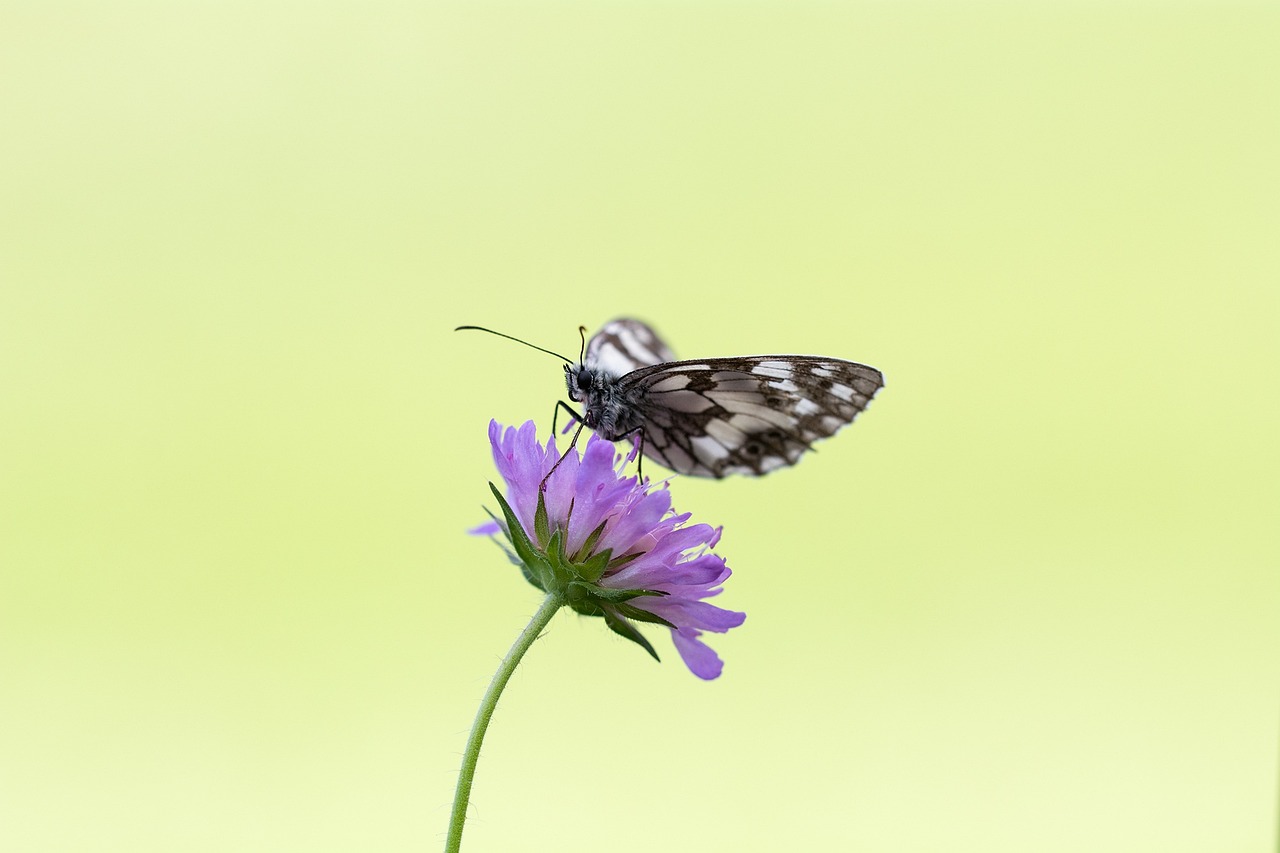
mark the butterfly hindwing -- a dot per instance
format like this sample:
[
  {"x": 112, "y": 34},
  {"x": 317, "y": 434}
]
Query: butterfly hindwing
[{"x": 623, "y": 345}]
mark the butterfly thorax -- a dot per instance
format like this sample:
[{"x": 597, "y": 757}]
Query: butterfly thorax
[{"x": 610, "y": 408}]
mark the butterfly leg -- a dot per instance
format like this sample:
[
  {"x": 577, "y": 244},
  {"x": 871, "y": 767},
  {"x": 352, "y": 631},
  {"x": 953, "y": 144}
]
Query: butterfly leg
[
  {"x": 542, "y": 487},
  {"x": 555, "y": 413},
  {"x": 638, "y": 432}
]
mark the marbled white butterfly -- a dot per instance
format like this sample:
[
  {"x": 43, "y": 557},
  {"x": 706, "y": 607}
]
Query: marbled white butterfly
[{"x": 712, "y": 417}]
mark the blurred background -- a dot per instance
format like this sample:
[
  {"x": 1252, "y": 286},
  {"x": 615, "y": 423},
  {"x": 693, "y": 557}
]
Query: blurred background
[{"x": 1030, "y": 601}]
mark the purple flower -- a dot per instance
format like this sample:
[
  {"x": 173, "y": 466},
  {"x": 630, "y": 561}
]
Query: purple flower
[{"x": 609, "y": 545}]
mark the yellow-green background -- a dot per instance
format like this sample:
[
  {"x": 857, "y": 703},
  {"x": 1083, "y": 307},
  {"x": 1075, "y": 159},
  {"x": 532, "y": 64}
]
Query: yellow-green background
[{"x": 1029, "y": 602}]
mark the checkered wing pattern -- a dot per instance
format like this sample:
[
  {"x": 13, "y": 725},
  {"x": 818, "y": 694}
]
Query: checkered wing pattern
[
  {"x": 749, "y": 415},
  {"x": 719, "y": 416}
]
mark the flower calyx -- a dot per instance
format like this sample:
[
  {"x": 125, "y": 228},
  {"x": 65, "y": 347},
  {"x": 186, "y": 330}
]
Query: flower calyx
[{"x": 547, "y": 565}]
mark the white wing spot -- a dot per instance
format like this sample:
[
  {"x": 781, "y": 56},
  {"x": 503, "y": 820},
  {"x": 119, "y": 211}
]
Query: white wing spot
[
  {"x": 844, "y": 392},
  {"x": 683, "y": 401},
  {"x": 741, "y": 404},
  {"x": 677, "y": 459},
  {"x": 774, "y": 369},
  {"x": 725, "y": 433},
  {"x": 707, "y": 449},
  {"x": 787, "y": 386},
  {"x": 771, "y": 463},
  {"x": 671, "y": 383},
  {"x": 748, "y": 423},
  {"x": 805, "y": 406},
  {"x": 823, "y": 372}
]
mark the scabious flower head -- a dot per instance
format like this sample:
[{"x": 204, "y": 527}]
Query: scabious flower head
[{"x": 610, "y": 545}]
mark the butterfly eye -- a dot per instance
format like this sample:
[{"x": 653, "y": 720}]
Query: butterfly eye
[{"x": 584, "y": 381}]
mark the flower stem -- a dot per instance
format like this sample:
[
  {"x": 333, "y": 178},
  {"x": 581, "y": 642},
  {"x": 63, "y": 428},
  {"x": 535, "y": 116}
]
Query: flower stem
[{"x": 462, "y": 796}]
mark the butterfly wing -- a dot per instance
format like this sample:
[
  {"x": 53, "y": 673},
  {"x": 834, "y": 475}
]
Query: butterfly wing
[
  {"x": 751, "y": 415},
  {"x": 624, "y": 345}
]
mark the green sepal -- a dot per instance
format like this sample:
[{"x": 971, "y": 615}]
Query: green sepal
[
  {"x": 579, "y": 590},
  {"x": 582, "y": 603},
  {"x": 541, "y": 527},
  {"x": 616, "y": 596},
  {"x": 565, "y": 572},
  {"x": 623, "y": 560},
  {"x": 625, "y": 629},
  {"x": 537, "y": 570},
  {"x": 555, "y": 548},
  {"x": 590, "y": 544},
  {"x": 592, "y": 569},
  {"x": 511, "y": 555},
  {"x": 515, "y": 561},
  {"x": 632, "y": 612}
]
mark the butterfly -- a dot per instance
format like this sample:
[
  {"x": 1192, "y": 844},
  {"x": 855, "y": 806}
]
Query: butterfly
[{"x": 713, "y": 417}]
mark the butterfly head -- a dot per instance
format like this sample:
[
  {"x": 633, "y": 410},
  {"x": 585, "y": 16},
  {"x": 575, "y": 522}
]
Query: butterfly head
[
  {"x": 580, "y": 380},
  {"x": 607, "y": 407}
]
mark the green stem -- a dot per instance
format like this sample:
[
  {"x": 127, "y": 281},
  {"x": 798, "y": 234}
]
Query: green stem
[{"x": 490, "y": 701}]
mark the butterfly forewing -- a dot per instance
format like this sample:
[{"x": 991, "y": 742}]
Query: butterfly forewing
[
  {"x": 748, "y": 415},
  {"x": 718, "y": 416}
]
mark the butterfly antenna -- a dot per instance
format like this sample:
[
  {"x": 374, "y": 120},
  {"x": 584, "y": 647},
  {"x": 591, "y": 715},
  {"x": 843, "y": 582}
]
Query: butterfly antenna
[
  {"x": 582, "y": 353},
  {"x": 517, "y": 340}
]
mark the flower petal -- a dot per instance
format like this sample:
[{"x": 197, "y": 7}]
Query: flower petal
[
  {"x": 489, "y": 528},
  {"x": 690, "y": 613},
  {"x": 697, "y": 655}
]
